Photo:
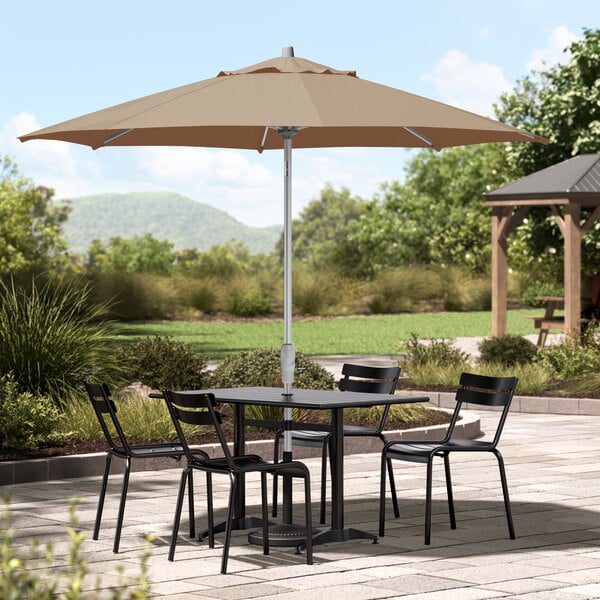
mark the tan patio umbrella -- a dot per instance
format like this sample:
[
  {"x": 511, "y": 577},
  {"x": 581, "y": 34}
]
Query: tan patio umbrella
[{"x": 266, "y": 106}]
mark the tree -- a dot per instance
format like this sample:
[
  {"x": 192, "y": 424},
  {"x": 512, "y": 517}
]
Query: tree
[
  {"x": 561, "y": 104},
  {"x": 138, "y": 255},
  {"x": 30, "y": 225},
  {"x": 319, "y": 233},
  {"x": 438, "y": 215}
]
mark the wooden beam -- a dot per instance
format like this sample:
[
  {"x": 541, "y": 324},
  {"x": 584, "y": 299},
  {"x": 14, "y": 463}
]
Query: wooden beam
[
  {"x": 500, "y": 221},
  {"x": 585, "y": 229}
]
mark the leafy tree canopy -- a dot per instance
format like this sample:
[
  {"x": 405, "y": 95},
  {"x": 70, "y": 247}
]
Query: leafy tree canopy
[
  {"x": 30, "y": 225},
  {"x": 561, "y": 104},
  {"x": 437, "y": 216},
  {"x": 136, "y": 255},
  {"x": 319, "y": 233}
]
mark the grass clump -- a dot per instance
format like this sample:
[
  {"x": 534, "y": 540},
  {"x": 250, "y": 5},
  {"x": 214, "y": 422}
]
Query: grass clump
[{"x": 52, "y": 337}]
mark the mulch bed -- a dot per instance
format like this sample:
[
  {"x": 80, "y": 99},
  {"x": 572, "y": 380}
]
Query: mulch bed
[{"x": 76, "y": 446}]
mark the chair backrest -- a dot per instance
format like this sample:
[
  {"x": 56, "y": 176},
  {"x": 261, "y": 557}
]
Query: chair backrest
[
  {"x": 484, "y": 391},
  {"x": 371, "y": 380},
  {"x": 106, "y": 412},
  {"x": 196, "y": 409},
  {"x": 375, "y": 380}
]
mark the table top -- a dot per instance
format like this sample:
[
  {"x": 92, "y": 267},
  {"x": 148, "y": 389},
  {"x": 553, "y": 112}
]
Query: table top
[{"x": 314, "y": 399}]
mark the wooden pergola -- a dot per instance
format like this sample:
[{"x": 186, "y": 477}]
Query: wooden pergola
[{"x": 565, "y": 188}]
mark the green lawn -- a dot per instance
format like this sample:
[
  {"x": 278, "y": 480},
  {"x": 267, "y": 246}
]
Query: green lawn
[{"x": 376, "y": 334}]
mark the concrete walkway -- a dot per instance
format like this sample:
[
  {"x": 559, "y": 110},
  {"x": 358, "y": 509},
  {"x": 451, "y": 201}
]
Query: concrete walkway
[{"x": 553, "y": 468}]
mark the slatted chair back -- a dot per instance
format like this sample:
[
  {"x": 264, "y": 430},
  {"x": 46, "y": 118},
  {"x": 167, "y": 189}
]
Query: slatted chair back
[
  {"x": 371, "y": 380},
  {"x": 486, "y": 391},
  {"x": 196, "y": 409},
  {"x": 106, "y": 412}
]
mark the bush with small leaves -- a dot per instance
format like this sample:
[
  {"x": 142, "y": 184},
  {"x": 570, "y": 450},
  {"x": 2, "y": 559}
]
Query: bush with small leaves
[
  {"x": 261, "y": 367},
  {"x": 569, "y": 360},
  {"x": 27, "y": 422},
  {"x": 439, "y": 352},
  {"x": 162, "y": 362},
  {"x": 508, "y": 350}
]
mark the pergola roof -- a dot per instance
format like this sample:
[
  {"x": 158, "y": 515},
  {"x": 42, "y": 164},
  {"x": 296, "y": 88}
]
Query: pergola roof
[{"x": 576, "y": 179}]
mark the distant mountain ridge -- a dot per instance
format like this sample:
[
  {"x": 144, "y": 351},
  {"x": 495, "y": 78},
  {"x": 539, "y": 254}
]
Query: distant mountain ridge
[{"x": 166, "y": 216}]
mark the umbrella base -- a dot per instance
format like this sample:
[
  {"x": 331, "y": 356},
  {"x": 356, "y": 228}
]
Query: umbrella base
[{"x": 282, "y": 535}]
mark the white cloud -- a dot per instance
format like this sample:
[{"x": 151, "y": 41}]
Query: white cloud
[
  {"x": 466, "y": 83},
  {"x": 554, "y": 52},
  {"x": 40, "y": 155}
]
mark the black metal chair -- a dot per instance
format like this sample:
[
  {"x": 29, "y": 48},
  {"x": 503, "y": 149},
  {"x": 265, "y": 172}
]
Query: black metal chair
[
  {"x": 355, "y": 378},
  {"x": 474, "y": 390},
  {"x": 201, "y": 409},
  {"x": 118, "y": 445}
]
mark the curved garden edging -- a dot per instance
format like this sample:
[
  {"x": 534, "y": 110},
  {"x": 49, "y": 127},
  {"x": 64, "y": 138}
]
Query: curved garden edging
[{"x": 92, "y": 465}]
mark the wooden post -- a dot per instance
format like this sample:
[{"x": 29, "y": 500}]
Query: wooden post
[
  {"x": 572, "y": 269},
  {"x": 499, "y": 270}
]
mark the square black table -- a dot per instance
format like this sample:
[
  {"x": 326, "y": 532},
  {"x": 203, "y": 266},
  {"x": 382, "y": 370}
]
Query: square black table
[{"x": 333, "y": 401}]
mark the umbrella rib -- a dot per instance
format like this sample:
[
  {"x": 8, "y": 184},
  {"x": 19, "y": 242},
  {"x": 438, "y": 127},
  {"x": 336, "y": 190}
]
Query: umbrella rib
[{"x": 419, "y": 135}]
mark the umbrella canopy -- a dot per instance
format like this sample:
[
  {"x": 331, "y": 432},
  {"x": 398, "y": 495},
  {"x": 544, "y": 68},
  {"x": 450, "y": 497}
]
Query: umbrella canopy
[{"x": 236, "y": 109}]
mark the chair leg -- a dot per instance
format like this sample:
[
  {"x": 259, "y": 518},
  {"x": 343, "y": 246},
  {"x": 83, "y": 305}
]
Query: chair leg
[
  {"x": 177, "y": 518},
  {"x": 102, "y": 496},
  {"x": 449, "y": 490},
  {"x": 210, "y": 509},
  {"x": 122, "y": 505},
  {"x": 265, "y": 512},
  {"x": 191, "y": 505},
  {"x": 326, "y": 446},
  {"x": 393, "y": 488},
  {"x": 228, "y": 524},
  {"x": 275, "y": 477},
  {"x": 308, "y": 520},
  {"x": 384, "y": 463},
  {"x": 509, "y": 519},
  {"x": 428, "y": 501}
]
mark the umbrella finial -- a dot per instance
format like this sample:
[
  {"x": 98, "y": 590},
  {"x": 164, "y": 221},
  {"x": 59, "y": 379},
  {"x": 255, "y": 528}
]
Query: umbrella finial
[{"x": 287, "y": 52}]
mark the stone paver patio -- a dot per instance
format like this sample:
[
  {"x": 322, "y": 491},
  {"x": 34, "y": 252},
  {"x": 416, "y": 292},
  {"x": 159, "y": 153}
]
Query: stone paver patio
[{"x": 553, "y": 469}]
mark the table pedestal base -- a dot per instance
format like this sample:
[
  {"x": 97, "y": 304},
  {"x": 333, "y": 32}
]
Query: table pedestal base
[
  {"x": 282, "y": 535},
  {"x": 295, "y": 535}
]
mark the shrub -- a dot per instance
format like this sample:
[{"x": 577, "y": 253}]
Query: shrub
[
  {"x": 315, "y": 292},
  {"x": 249, "y": 304},
  {"x": 27, "y": 422},
  {"x": 28, "y": 572},
  {"x": 204, "y": 299},
  {"x": 533, "y": 378},
  {"x": 135, "y": 296},
  {"x": 51, "y": 338},
  {"x": 163, "y": 363},
  {"x": 508, "y": 350},
  {"x": 462, "y": 291},
  {"x": 439, "y": 352},
  {"x": 263, "y": 368},
  {"x": 403, "y": 290},
  {"x": 569, "y": 360}
]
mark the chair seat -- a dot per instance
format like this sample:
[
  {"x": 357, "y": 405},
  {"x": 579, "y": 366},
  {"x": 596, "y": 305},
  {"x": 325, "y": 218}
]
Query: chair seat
[
  {"x": 252, "y": 462},
  {"x": 423, "y": 450}
]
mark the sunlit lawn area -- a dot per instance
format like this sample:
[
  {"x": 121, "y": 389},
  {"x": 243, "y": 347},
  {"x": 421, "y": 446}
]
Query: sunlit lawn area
[{"x": 376, "y": 334}]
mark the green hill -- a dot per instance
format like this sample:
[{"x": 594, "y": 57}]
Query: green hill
[{"x": 166, "y": 216}]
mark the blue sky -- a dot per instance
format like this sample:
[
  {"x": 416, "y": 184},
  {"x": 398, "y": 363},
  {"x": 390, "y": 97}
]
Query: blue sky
[{"x": 65, "y": 58}]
